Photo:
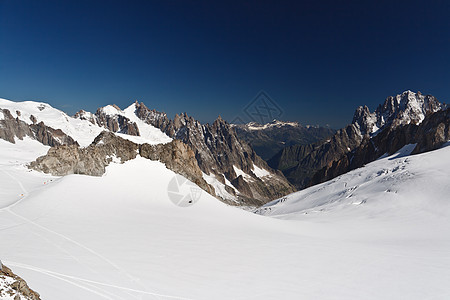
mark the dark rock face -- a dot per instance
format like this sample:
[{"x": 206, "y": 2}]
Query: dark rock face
[
  {"x": 299, "y": 163},
  {"x": 267, "y": 140},
  {"x": 18, "y": 288},
  {"x": 112, "y": 122},
  {"x": 429, "y": 135},
  {"x": 368, "y": 130},
  {"x": 11, "y": 127},
  {"x": 116, "y": 123},
  {"x": 217, "y": 149},
  {"x": 92, "y": 160}
]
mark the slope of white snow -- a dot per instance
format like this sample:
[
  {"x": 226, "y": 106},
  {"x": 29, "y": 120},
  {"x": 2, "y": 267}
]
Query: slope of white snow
[
  {"x": 219, "y": 187},
  {"x": 380, "y": 232},
  {"x": 149, "y": 133},
  {"x": 260, "y": 172},
  {"x": 390, "y": 187}
]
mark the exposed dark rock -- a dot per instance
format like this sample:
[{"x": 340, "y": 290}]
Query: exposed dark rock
[
  {"x": 300, "y": 164},
  {"x": 241, "y": 185},
  {"x": 51, "y": 137},
  {"x": 429, "y": 135},
  {"x": 18, "y": 288},
  {"x": 11, "y": 128},
  {"x": 33, "y": 119},
  {"x": 116, "y": 123},
  {"x": 352, "y": 144}
]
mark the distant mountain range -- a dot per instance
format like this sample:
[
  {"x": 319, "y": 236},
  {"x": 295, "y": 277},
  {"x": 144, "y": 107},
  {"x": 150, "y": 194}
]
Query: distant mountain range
[
  {"x": 270, "y": 138},
  {"x": 408, "y": 118},
  {"x": 220, "y": 157}
]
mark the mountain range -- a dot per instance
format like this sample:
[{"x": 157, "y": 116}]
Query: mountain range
[
  {"x": 212, "y": 156},
  {"x": 268, "y": 139}
]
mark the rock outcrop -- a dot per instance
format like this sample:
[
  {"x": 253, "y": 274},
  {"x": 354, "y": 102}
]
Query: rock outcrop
[
  {"x": 12, "y": 128},
  {"x": 92, "y": 160},
  {"x": 14, "y": 287},
  {"x": 109, "y": 118}
]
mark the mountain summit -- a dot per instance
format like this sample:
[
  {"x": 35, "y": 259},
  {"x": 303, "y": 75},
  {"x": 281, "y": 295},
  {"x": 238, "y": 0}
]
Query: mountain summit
[
  {"x": 300, "y": 163},
  {"x": 402, "y": 109}
]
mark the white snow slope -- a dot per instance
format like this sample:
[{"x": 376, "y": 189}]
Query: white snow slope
[{"x": 380, "y": 232}]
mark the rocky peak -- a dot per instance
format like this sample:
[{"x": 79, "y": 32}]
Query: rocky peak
[
  {"x": 85, "y": 115},
  {"x": 405, "y": 108},
  {"x": 111, "y": 117},
  {"x": 398, "y": 111},
  {"x": 364, "y": 120}
]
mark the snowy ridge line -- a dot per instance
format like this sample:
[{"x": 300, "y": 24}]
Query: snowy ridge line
[{"x": 59, "y": 275}]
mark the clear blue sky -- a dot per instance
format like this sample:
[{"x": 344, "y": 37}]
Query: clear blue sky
[{"x": 318, "y": 60}]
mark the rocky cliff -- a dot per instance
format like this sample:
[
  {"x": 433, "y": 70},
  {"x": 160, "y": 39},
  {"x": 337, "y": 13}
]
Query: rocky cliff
[
  {"x": 12, "y": 128},
  {"x": 13, "y": 287},
  {"x": 430, "y": 134}
]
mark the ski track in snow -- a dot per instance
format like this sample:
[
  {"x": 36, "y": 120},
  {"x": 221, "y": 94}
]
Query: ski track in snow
[
  {"x": 61, "y": 276},
  {"x": 128, "y": 241}
]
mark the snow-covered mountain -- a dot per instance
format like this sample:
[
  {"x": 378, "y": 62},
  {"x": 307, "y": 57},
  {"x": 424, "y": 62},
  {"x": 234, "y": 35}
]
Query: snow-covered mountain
[
  {"x": 304, "y": 165},
  {"x": 402, "y": 109},
  {"x": 379, "y": 232},
  {"x": 211, "y": 145},
  {"x": 84, "y": 126},
  {"x": 251, "y": 126}
]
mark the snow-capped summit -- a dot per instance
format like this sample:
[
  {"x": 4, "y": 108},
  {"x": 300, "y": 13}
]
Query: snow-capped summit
[{"x": 405, "y": 108}]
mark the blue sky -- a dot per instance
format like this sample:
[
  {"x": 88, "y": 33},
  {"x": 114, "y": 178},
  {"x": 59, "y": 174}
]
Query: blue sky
[{"x": 318, "y": 60}]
